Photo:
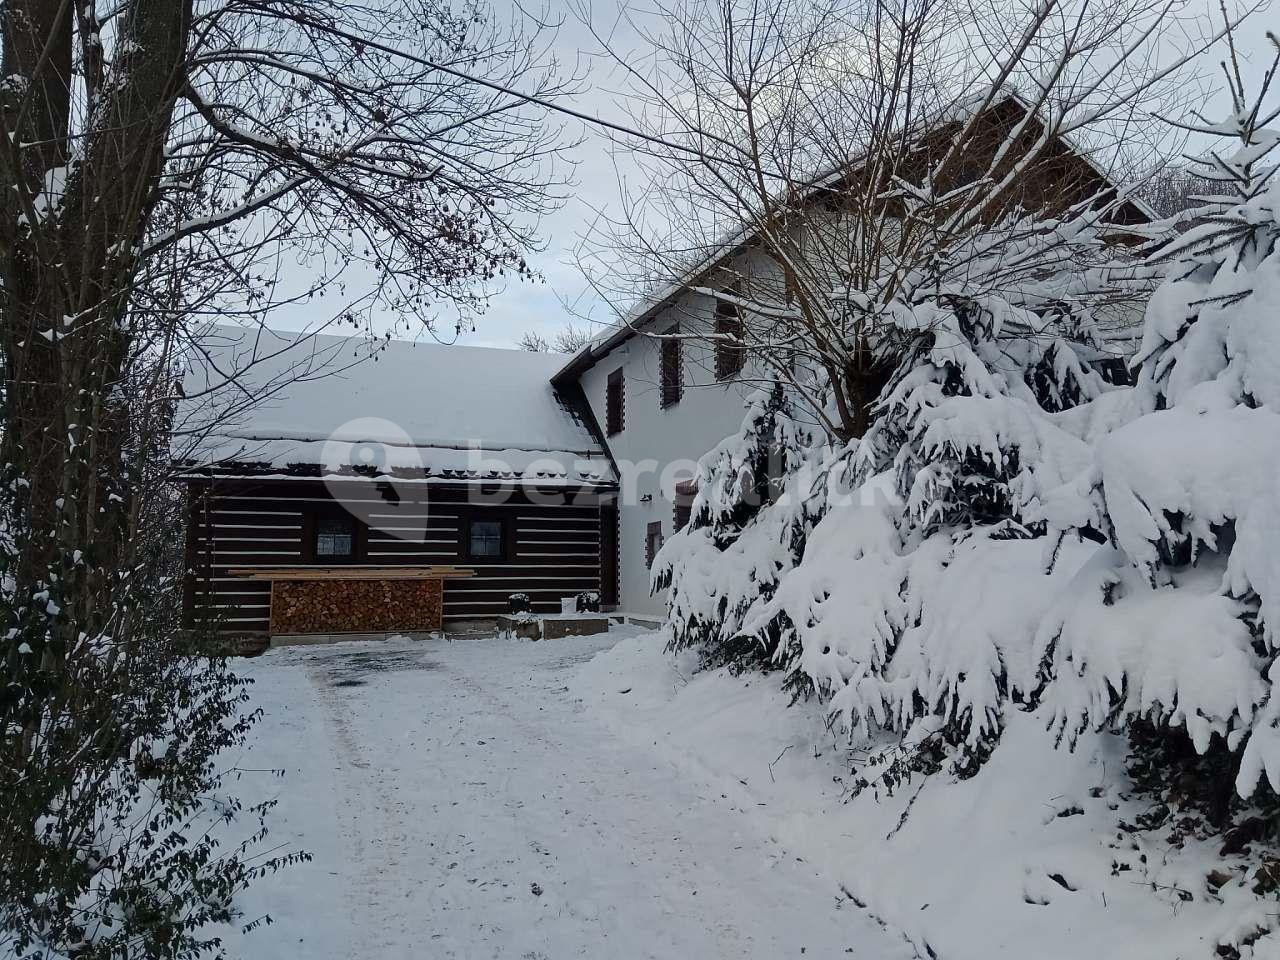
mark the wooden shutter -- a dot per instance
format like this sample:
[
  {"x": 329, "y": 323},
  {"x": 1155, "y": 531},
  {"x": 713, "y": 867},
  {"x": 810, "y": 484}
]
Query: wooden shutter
[
  {"x": 671, "y": 370},
  {"x": 729, "y": 356},
  {"x": 613, "y": 403},
  {"x": 609, "y": 553},
  {"x": 652, "y": 542},
  {"x": 685, "y": 492}
]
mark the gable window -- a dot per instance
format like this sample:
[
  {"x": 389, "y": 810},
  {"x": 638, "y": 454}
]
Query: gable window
[
  {"x": 485, "y": 540},
  {"x": 652, "y": 542},
  {"x": 335, "y": 538},
  {"x": 671, "y": 369},
  {"x": 613, "y": 399},
  {"x": 729, "y": 355}
]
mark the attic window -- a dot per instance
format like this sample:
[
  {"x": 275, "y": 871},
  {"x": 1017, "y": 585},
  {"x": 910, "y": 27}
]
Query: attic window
[
  {"x": 729, "y": 356},
  {"x": 671, "y": 357},
  {"x": 613, "y": 399}
]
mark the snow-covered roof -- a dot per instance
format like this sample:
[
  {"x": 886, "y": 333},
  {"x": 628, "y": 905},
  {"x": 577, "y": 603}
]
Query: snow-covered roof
[{"x": 276, "y": 401}]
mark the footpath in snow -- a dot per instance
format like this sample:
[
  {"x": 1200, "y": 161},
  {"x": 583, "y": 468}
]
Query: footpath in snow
[{"x": 474, "y": 800}]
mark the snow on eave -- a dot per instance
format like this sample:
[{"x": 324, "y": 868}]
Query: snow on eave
[
  {"x": 255, "y": 472},
  {"x": 279, "y": 458},
  {"x": 355, "y": 438}
]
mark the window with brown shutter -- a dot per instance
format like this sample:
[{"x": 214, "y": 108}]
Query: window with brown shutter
[
  {"x": 685, "y": 492},
  {"x": 671, "y": 369},
  {"x": 652, "y": 542},
  {"x": 729, "y": 356},
  {"x": 683, "y": 513},
  {"x": 613, "y": 401}
]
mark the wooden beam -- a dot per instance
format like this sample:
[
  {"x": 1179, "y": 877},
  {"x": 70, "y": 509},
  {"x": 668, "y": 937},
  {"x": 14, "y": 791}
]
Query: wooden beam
[{"x": 444, "y": 572}]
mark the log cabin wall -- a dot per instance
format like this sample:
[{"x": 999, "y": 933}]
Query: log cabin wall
[{"x": 551, "y": 542}]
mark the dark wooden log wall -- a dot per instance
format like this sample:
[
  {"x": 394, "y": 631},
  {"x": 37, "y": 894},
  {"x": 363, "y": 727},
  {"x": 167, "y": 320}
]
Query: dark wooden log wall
[{"x": 553, "y": 547}]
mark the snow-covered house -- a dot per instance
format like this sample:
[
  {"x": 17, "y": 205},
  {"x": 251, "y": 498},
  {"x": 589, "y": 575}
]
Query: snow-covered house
[
  {"x": 664, "y": 402},
  {"x": 656, "y": 426},
  {"x": 525, "y": 472},
  {"x": 423, "y": 482}
]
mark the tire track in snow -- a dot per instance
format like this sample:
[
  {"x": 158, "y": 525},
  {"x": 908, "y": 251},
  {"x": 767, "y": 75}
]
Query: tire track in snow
[{"x": 462, "y": 788}]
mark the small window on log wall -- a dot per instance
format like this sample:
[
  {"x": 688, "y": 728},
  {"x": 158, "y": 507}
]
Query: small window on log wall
[
  {"x": 729, "y": 356},
  {"x": 671, "y": 369},
  {"x": 613, "y": 400},
  {"x": 652, "y": 542},
  {"x": 335, "y": 538},
  {"x": 485, "y": 540}
]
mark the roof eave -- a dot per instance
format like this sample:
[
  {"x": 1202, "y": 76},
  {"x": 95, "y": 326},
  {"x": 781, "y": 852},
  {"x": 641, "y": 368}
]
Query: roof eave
[{"x": 189, "y": 471}]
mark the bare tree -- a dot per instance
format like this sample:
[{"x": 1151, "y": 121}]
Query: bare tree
[
  {"x": 822, "y": 168},
  {"x": 165, "y": 163},
  {"x": 534, "y": 342},
  {"x": 1178, "y": 188},
  {"x": 570, "y": 339}
]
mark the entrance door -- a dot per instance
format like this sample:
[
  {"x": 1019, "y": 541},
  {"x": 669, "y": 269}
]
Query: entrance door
[{"x": 609, "y": 554}]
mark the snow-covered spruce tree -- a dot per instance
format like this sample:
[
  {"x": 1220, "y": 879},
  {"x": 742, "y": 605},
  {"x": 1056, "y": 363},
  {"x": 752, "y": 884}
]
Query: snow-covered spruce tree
[
  {"x": 1054, "y": 358},
  {"x": 915, "y": 603},
  {"x": 903, "y": 577},
  {"x": 744, "y": 530},
  {"x": 961, "y": 422},
  {"x": 1170, "y": 631},
  {"x": 900, "y": 576}
]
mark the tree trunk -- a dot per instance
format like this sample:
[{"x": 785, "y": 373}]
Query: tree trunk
[{"x": 69, "y": 260}]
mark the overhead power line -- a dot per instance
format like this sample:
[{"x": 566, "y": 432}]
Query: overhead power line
[{"x": 546, "y": 104}]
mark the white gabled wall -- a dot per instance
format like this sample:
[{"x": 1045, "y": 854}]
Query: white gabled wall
[{"x": 653, "y": 438}]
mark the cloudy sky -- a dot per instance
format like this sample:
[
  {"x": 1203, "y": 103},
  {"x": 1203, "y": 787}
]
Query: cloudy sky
[
  {"x": 566, "y": 296},
  {"x": 563, "y": 295}
]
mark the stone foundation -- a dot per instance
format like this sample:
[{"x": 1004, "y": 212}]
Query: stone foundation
[{"x": 553, "y": 628}]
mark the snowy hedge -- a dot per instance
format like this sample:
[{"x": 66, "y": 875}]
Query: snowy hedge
[{"x": 1013, "y": 532}]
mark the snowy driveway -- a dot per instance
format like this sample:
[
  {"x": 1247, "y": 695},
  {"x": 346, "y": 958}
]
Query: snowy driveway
[{"x": 460, "y": 802}]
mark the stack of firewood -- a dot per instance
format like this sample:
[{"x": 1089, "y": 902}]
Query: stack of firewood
[{"x": 355, "y": 606}]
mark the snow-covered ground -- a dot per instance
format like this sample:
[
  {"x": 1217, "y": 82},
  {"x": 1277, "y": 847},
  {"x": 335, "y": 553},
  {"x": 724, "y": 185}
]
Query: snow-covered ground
[
  {"x": 1025, "y": 860},
  {"x": 462, "y": 800},
  {"x": 595, "y": 797}
]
